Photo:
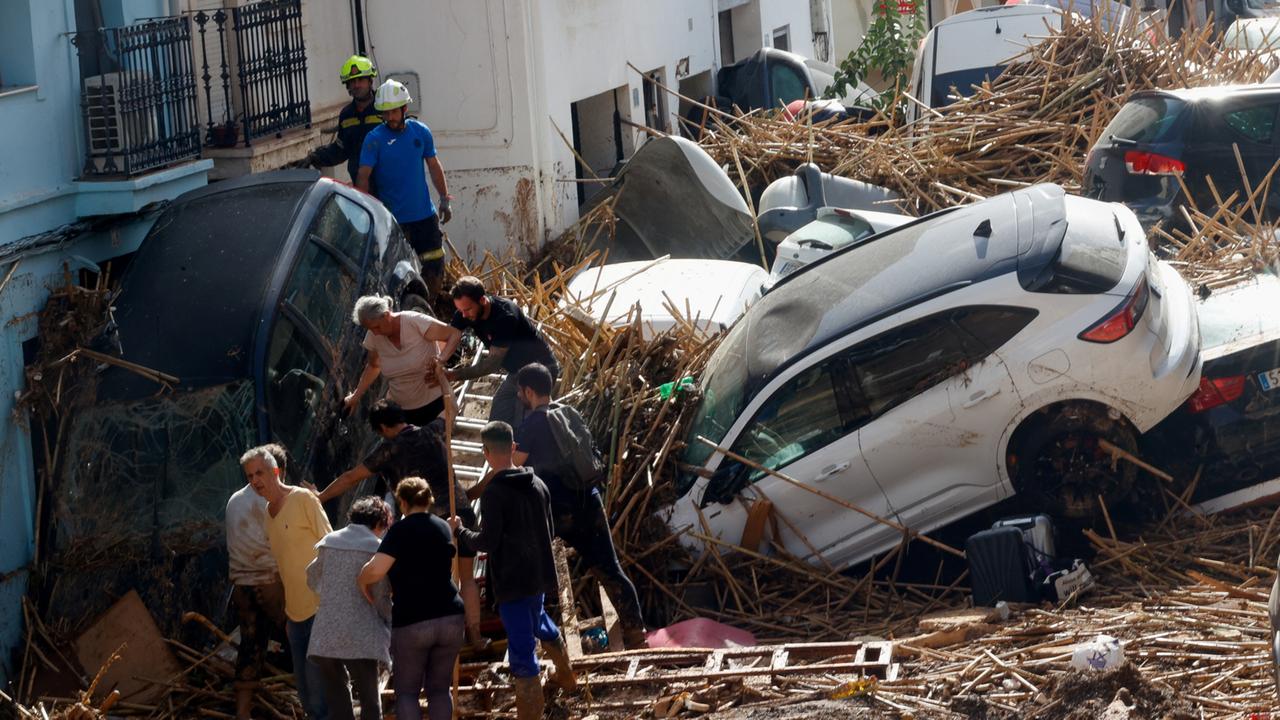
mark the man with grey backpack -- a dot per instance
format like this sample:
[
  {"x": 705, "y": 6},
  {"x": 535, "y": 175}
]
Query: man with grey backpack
[{"x": 555, "y": 441}]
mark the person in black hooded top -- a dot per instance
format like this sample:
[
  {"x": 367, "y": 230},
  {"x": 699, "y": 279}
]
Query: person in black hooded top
[{"x": 515, "y": 529}]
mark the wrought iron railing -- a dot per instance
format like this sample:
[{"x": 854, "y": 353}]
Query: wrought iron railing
[
  {"x": 153, "y": 93},
  {"x": 137, "y": 97},
  {"x": 259, "y": 49}
]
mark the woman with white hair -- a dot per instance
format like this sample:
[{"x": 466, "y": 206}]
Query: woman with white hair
[{"x": 405, "y": 347}]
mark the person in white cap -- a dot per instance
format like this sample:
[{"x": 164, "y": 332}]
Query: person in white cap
[{"x": 392, "y": 157}]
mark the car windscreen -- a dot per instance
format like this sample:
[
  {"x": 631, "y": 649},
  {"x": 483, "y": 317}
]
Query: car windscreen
[
  {"x": 949, "y": 87},
  {"x": 832, "y": 232},
  {"x": 724, "y": 395},
  {"x": 1143, "y": 120}
]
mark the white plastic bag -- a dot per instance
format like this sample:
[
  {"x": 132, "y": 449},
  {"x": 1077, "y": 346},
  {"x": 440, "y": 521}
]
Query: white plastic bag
[{"x": 1100, "y": 653}]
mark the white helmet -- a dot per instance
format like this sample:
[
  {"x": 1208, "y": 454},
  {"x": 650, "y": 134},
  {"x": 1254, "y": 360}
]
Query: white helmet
[{"x": 391, "y": 95}]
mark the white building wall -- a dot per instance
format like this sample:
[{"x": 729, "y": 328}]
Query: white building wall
[
  {"x": 499, "y": 77},
  {"x": 587, "y": 45},
  {"x": 850, "y": 20},
  {"x": 794, "y": 14},
  {"x": 476, "y": 78}
]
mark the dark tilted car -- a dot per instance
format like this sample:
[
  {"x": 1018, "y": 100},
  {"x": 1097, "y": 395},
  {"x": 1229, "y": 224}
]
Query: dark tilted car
[
  {"x": 243, "y": 290},
  {"x": 1161, "y": 135}
]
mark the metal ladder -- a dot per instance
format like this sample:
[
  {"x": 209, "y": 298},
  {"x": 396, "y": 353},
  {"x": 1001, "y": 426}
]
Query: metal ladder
[{"x": 474, "y": 401}]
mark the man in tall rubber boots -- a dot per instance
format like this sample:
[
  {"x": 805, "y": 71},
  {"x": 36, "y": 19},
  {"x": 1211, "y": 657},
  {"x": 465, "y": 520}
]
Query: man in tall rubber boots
[{"x": 355, "y": 120}]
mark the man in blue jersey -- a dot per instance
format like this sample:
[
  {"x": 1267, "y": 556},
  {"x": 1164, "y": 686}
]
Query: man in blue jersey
[{"x": 392, "y": 155}]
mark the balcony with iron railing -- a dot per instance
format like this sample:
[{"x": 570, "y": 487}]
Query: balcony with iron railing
[{"x": 165, "y": 91}]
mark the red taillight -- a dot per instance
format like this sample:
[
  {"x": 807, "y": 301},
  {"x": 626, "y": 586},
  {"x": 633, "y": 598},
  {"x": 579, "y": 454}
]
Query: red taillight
[
  {"x": 1145, "y": 163},
  {"x": 1122, "y": 320},
  {"x": 1215, "y": 392}
]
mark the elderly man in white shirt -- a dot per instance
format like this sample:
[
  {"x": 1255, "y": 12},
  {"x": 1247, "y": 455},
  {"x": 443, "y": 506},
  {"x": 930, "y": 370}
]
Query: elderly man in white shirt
[{"x": 258, "y": 594}]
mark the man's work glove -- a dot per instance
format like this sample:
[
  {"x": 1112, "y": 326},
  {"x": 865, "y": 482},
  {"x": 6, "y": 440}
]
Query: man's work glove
[
  {"x": 314, "y": 160},
  {"x": 446, "y": 213}
]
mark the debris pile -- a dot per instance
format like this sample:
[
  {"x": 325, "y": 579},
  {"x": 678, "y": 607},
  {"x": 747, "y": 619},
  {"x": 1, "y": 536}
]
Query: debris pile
[
  {"x": 1034, "y": 123},
  {"x": 1225, "y": 244}
]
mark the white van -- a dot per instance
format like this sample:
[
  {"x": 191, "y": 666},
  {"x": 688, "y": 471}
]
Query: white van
[{"x": 973, "y": 46}]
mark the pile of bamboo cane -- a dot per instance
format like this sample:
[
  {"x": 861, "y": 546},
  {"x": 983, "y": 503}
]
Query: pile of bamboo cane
[{"x": 1033, "y": 123}]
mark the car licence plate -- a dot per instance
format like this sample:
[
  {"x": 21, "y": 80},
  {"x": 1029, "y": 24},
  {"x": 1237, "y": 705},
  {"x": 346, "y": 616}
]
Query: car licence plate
[{"x": 1270, "y": 379}]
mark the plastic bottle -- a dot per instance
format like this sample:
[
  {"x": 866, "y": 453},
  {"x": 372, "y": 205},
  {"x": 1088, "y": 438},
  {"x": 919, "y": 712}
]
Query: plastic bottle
[
  {"x": 666, "y": 390},
  {"x": 595, "y": 640}
]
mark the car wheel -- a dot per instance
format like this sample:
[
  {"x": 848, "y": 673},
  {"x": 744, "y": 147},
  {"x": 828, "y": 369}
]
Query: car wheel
[{"x": 1062, "y": 469}]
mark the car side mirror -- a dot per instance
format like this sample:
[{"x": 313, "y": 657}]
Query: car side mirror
[{"x": 725, "y": 483}]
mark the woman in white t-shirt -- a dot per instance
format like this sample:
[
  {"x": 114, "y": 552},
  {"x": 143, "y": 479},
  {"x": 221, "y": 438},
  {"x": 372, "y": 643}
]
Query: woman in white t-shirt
[{"x": 405, "y": 347}]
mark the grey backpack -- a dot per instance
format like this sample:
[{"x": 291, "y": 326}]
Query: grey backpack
[{"x": 580, "y": 468}]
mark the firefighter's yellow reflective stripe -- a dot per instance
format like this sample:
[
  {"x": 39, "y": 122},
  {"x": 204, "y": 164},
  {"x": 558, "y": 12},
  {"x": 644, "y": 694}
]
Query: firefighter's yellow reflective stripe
[
  {"x": 430, "y": 255},
  {"x": 349, "y": 122},
  {"x": 373, "y": 120}
]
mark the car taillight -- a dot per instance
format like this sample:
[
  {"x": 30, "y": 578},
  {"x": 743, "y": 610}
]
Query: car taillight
[
  {"x": 1214, "y": 392},
  {"x": 1123, "y": 319},
  {"x": 1145, "y": 163}
]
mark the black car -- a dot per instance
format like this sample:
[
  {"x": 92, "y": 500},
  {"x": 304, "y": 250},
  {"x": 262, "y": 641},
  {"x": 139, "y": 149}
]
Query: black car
[
  {"x": 1161, "y": 135},
  {"x": 243, "y": 290},
  {"x": 1230, "y": 427}
]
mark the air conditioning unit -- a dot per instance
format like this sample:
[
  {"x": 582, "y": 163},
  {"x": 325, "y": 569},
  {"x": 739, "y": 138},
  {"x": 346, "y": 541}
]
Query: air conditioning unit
[{"x": 111, "y": 129}]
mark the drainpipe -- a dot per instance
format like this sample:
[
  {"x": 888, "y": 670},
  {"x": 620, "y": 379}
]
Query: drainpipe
[{"x": 357, "y": 14}]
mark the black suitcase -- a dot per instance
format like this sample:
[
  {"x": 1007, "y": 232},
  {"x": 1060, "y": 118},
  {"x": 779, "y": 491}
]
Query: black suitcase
[{"x": 998, "y": 567}]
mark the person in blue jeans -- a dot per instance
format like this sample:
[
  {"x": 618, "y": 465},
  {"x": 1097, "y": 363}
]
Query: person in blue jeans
[
  {"x": 392, "y": 157},
  {"x": 515, "y": 529}
]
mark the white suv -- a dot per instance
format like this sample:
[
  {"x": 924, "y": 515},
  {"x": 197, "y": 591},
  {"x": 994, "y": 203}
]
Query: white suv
[{"x": 942, "y": 366}]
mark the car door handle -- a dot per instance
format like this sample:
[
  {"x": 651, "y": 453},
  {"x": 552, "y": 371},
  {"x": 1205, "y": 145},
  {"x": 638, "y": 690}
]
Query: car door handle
[
  {"x": 980, "y": 396},
  {"x": 830, "y": 470}
]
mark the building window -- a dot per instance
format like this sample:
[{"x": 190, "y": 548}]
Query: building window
[
  {"x": 782, "y": 38},
  {"x": 17, "y": 52},
  {"x": 725, "y": 19}
]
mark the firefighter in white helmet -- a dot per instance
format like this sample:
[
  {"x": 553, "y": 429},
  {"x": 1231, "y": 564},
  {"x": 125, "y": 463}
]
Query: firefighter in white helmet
[{"x": 392, "y": 157}]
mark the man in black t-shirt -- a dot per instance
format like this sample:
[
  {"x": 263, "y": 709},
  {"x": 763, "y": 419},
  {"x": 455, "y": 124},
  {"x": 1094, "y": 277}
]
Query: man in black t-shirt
[
  {"x": 512, "y": 339},
  {"x": 405, "y": 451},
  {"x": 578, "y": 514}
]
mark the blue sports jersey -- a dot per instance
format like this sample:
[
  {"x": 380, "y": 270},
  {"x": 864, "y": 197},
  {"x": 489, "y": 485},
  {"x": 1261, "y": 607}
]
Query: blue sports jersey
[{"x": 398, "y": 172}]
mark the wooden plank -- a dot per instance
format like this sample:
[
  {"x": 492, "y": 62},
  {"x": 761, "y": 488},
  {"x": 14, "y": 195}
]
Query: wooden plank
[
  {"x": 568, "y": 611},
  {"x": 612, "y": 624},
  {"x": 129, "y": 627},
  {"x": 598, "y": 681}
]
